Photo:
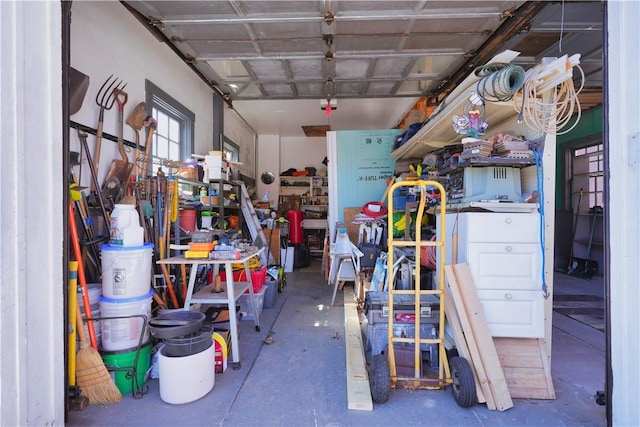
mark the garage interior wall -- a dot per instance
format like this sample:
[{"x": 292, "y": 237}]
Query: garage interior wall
[
  {"x": 106, "y": 39},
  {"x": 32, "y": 371},
  {"x": 622, "y": 132}
]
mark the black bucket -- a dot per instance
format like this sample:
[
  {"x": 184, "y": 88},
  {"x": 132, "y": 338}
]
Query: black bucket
[{"x": 189, "y": 344}]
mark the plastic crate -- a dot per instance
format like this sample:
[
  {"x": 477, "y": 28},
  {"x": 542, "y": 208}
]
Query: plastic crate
[
  {"x": 258, "y": 277},
  {"x": 245, "y": 304}
]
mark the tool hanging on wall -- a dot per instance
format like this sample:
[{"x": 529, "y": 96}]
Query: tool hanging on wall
[
  {"x": 105, "y": 98},
  {"x": 120, "y": 169},
  {"x": 136, "y": 121}
]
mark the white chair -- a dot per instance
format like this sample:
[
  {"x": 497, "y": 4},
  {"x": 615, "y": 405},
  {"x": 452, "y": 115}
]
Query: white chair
[{"x": 344, "y": 266}]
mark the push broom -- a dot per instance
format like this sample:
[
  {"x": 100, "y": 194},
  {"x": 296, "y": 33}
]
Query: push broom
[{"x": 91, "y": 374}]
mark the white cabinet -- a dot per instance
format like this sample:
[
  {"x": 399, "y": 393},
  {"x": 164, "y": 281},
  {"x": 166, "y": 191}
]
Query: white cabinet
[{"x": 504, "y": 254}]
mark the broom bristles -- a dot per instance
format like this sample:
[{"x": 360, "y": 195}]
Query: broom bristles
[{"x": 93, "y": 377}]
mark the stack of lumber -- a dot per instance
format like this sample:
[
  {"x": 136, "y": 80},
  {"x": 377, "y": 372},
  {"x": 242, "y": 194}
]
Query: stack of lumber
[
  {"x": 478, "y": 340},
  {"x": 504, "y": 368}
]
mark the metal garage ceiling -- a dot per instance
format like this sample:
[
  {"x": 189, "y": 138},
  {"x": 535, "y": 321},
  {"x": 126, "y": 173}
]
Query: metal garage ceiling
[{"x": 338, "y": 49}]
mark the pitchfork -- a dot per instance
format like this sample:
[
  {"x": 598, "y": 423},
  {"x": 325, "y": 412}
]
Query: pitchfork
[{"x": 105, "y": 98}]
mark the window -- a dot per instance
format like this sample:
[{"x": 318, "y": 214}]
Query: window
[
  {"x": 588, "y": 174},
  {"x": 173, "y": 139}
]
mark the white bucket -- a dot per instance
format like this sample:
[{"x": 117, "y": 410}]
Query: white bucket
[
  {"x": 126, "y": 272},
  {"x": 124, "y": 333},
  {"x": 185, "y": 379},
  {"x": 95, "y": 291},
  {"x": 125, "y": 229}
]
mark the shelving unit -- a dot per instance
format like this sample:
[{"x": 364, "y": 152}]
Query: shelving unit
[
  {"x": 227, "y": 193},
  {"x": 313, "y": 194},
  {"x": 479, "y": 243}
]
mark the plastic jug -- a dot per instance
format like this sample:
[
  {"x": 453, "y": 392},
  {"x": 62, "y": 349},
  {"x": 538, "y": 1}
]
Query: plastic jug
[{"x": 125, "y": 229}]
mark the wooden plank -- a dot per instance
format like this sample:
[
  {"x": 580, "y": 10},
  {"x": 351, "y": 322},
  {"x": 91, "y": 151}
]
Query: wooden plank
[
  {"x": 358, "y": 391},
  {"x": 275, "y": 243},
  {"x": 461, "y": 343},
  {"x": 546, "y": 366},
  {"x": 518, "y": 352},
  {"x": 524, "y": 364},
  {"x": 475, "y": 359},
  {"x": 487, "y": 349}
]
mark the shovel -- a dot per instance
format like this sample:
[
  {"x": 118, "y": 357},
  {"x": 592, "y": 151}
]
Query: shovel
[
  {"x": 78, "y": 85},
  {"x": 120, "y": 169},
  {"x": 136, "y": 121}
]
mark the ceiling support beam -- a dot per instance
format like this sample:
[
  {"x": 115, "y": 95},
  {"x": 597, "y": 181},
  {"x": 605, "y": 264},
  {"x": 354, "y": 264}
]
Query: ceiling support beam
[
  {"x": 187, "y": 60},
  {"x": 510, "y": 27}
]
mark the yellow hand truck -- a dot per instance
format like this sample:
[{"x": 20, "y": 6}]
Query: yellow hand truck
[{"x": 383, "y": 373}]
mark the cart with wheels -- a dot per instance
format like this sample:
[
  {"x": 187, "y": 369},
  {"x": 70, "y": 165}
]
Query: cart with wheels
[{"x": 414, "y": 353}]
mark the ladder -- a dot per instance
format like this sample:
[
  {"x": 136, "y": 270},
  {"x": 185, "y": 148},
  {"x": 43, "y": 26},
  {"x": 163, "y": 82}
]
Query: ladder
[{"x": 253, "y": 223}]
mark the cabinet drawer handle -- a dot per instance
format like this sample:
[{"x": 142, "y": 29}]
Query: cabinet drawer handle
[
  {"x": 507, "y": 220},
  {"x": 509, "y": 248},
  {"x": 507, "y": 296}
]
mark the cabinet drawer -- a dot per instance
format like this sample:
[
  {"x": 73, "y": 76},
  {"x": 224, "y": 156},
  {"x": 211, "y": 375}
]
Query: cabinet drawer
[
  {"x": 501, "y": 227},
  {"x": 505, "y": 266},
  {"x": 516, "y": 314}
]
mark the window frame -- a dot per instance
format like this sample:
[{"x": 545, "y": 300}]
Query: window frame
[
  {"x": 594, "y": 187},
  {"x": 160, "y": 100}
]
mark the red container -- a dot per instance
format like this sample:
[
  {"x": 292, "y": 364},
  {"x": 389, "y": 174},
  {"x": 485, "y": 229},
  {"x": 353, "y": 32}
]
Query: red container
[
  {"x": 258, "y": 277},
  {"x": 296, "y": 233},
  {"x": 188, "y": 219}
]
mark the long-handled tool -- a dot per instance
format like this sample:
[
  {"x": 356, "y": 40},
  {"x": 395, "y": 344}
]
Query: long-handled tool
[
  {"x": 77, "y": 401},
  {"x": 151, "y": 124},
  {"x": 75, "y": 240},
  {"x": 94, "y": 178},
  {"x": 136, "y": 121},
  {"x": 590, "y": 265},
  {"x": 105, "y": 99},
  {"x": 91, "y": 373},
  {"x": 120, "y": 168},
  {"x": 572, "y": 264}
]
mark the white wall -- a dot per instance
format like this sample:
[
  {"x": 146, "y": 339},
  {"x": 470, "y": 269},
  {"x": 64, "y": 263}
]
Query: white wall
[
  {"x": 241, "y": 134},
  {"x": 32, "y": 285},
  {"x": 299, "y": 153},
  {"x": 106, "y": 39},
  {"x": 623, "y": 205},
  {"x": 268, "y": 161}
]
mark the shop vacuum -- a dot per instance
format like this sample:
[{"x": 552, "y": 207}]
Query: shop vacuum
[{"x": 301, "y": 257}]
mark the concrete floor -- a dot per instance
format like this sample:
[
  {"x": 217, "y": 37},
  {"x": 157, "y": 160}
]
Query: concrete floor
[{"x": 299, "y": 378}]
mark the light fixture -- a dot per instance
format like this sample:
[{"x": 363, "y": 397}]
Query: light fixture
[
  {"x": 328, "y": 56},
  {"x": 328, "y": 105}
]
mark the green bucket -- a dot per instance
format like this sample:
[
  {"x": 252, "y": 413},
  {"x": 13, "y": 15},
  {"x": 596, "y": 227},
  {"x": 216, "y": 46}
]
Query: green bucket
[{"x": 117, "y": 363}]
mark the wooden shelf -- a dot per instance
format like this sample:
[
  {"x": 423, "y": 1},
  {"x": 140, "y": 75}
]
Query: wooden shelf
[{"x": 438, "y": 131}]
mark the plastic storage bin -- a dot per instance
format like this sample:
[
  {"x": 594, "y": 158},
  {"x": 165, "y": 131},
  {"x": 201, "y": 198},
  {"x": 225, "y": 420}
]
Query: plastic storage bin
[
  {"x": 245, "y": 307},
  {"x": 271, "y": 293}
]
